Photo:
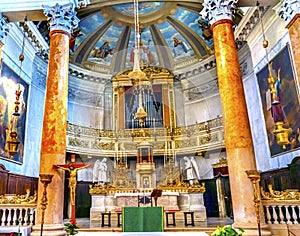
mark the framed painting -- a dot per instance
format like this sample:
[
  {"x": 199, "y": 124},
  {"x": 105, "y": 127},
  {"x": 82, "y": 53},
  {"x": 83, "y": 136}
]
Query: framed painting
[
  {"x": 287, "y": 88},
  {"x": 10, "y": 82}
]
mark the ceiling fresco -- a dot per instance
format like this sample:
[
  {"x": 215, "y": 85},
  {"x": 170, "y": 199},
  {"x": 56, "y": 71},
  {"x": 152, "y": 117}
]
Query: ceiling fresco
[{"x": 171, "y": 33}]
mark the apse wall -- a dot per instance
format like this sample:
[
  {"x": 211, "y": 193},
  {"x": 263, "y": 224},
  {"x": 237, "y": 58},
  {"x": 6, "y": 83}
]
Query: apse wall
[{"x": 196, "y": 94}]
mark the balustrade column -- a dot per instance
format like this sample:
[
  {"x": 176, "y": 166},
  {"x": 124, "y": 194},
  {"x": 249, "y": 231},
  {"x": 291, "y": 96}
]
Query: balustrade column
[
  {"x": 290, "y": 12},
  {"x": 62, "y": 19},
  {"x": 238, "y": 142}
]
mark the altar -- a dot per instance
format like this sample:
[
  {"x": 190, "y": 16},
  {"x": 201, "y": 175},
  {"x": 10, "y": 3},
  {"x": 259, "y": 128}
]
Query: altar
[
  {"x": 170, "y": 201},
  {"x": 123, "y": 191},
  {"x": 143, "y": 219}
]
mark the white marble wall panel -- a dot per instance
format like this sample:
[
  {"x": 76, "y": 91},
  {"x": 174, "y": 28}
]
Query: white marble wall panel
[{"x": 202, "y": 110}]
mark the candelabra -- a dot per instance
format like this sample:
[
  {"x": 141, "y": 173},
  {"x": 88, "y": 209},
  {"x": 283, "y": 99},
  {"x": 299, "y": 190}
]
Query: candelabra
[
  {"x": 45, "y": 180},
  {"x": 13, "y": 141}
]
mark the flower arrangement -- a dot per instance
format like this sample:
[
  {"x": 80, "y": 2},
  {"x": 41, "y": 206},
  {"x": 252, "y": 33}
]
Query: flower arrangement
[
  {"x": 228, "y": 230},
  {"x": 71, "y": 227}
]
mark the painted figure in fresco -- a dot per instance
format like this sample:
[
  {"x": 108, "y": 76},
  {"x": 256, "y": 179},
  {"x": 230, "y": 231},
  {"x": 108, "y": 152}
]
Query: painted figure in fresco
[
  {"x": 100, "y": 171},
  {"x": 103, "y": 51},
  {"x": 145, "y": 55},
  {"x": 76, "y": 33},
  {"x": 191, "y": 170},
  {"x": 178, "y": 43}
]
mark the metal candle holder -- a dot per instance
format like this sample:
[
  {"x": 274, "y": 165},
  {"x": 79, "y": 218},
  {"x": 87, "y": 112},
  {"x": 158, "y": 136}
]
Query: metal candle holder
[
  {"x": 254, "y": 176},
  {"x": 45, "y": 180}
]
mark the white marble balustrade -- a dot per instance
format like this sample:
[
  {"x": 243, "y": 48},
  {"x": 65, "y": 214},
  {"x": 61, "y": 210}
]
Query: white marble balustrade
[
  {"x": 17, "y": 215},
  {"x": 284, "y": 212},
  {"x": 283, "y": 217}
]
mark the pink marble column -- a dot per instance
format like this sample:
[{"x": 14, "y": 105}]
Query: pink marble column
[
  {"x": 53, "y": 144},
  {"x": 238, "y": 142},
  {"x": 294, "y": 32},
  {"x": 290, "y": 12},
  {"x": 238, "y": 139}
]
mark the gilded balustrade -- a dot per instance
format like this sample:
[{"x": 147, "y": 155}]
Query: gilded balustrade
[
  {"x": 281, "y": 207},
  {"x": 194, "y": 138},
  {"x": 17, "y": 210}
]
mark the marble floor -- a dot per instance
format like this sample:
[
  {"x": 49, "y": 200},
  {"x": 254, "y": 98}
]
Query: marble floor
[
  {"x": 200, "y": 228},
  {"x": 144, "y": 233}
]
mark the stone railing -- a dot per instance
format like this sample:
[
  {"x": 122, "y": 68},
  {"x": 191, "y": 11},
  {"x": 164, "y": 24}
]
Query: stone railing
[
  {"x": 17, "y": 213},
  {"x": 194, "y": 138},
  {"x": 282, "y": 211}
]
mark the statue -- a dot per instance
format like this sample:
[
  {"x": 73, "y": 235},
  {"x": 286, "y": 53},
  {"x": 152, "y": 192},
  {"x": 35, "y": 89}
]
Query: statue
[
  {"x": 191, "y": 169},
  {"x": 100, "y": 171}
]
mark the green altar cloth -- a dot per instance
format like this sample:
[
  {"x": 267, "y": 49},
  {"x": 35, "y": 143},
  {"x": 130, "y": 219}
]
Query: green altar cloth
[{"x": 143, "y": 219}]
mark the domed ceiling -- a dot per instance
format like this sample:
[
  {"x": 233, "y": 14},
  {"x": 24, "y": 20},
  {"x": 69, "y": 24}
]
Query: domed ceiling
[{"x": 171, "y": 33}]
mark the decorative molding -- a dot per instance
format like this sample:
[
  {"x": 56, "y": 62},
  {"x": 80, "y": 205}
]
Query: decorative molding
[
  {"x": 19, "y": 199},
  {"x": 288, "y": 194},
  {"x": 199, "y": 68},
  {"x": 85, "y": 74},
  {"x": 251, "y": 19},
  {"x": 222, "y": 163},
  {"x": 35, "y": 36}
]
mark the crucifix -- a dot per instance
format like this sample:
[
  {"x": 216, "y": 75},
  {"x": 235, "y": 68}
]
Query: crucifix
[{"x": 72, "y": 167}]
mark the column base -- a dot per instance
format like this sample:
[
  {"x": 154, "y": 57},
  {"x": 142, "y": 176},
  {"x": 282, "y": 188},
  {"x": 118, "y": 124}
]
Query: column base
[
  {"x": 51, "y": 229},
  {"x": 252, "y": 230}
]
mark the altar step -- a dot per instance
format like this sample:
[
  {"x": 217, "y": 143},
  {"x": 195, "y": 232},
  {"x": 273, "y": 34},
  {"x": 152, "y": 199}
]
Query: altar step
[
  {"x": 208, "y": 226},
  {"x": 207, "y": 230},
  {"x": 143, "y": 233}
]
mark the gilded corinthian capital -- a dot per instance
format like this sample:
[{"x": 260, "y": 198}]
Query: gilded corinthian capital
[{"x": 215, "y": 10}]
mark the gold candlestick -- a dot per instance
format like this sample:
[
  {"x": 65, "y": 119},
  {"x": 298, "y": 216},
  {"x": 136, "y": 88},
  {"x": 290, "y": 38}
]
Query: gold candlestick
[
  {"x": 254, "y": 176},
  {"x": 45, "y": 180}
]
